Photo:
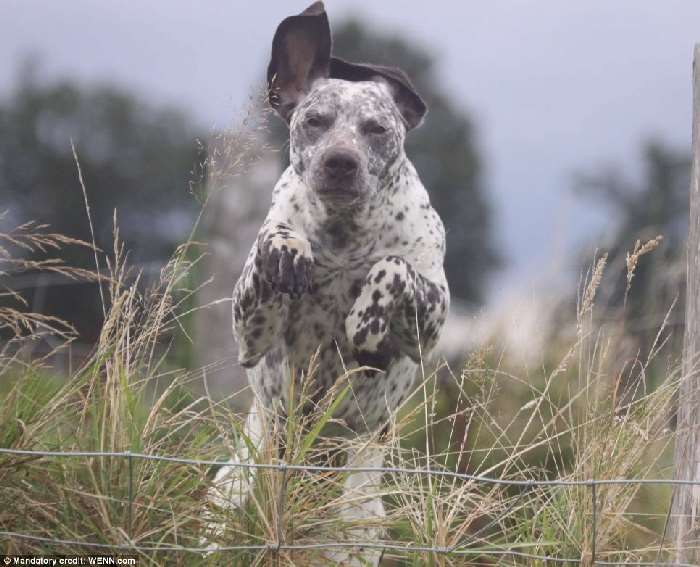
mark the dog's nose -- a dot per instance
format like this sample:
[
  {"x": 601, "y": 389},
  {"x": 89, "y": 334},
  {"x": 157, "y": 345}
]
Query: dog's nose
[{"x": 340, "y": 165}]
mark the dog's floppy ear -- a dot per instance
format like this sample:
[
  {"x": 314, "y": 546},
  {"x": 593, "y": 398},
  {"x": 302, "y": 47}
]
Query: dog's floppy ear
[
  {"x": 301, "y": 51},
  {"x": 410, "y": 104}
]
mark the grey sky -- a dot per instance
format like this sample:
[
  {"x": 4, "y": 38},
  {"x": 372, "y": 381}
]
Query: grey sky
[{"x": 554, "y": 86}]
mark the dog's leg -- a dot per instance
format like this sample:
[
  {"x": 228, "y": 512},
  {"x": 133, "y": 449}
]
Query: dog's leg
[
  {"x": 232, "y": 484},
  {"x": 398, "y": 311},
  {"x": 278, "y": 268},
  {"x": 361, "y": 509}
]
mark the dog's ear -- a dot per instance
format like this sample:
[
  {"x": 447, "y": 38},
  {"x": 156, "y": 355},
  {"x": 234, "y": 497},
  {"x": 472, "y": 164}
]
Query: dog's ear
[
  {"x": 410, "y": 104},
  {"x": 301, "y": 51}
]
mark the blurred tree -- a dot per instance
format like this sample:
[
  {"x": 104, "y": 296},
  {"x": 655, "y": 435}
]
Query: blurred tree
[
  {"x": 657, "y": 205},
  {"x": 135, "y": 158},
  {"x": 444, "y": 152}
]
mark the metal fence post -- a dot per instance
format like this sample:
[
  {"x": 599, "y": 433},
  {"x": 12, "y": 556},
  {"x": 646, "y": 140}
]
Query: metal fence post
[
  {"x": 594, "y": 522},
  {"x": 130, "y": 514},
  {"x": 281, "y": 499}
]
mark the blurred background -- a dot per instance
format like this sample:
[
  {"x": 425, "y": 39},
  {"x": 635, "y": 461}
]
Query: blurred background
[{"x": 555, "y": 130}]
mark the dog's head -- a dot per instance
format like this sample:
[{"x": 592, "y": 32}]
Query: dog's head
[{"x": 347, "y": 121}]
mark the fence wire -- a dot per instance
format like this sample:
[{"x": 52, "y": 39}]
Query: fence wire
[{"x": 592, "y": 484}]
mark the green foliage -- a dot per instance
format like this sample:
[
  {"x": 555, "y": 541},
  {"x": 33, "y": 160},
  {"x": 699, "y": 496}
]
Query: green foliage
[
  {"x": 135, "y": 158},
  {"x": 569, "y": 423}
]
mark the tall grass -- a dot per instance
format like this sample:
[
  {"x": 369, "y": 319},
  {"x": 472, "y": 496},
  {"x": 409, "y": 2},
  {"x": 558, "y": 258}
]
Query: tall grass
[{"x": 580, "y": 419}]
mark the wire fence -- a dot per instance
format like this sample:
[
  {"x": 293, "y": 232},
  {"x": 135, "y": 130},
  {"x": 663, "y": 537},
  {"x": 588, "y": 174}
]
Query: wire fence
[
  {"x": 277, "y": 546},
  {"x": 42, "y": 281}
]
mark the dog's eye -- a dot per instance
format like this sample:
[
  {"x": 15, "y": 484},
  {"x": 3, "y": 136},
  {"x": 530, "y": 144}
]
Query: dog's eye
[
  {"x": 316, "y": 121},
  {"x": 373, "y": 127}
]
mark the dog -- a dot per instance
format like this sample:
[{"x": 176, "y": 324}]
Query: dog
[{"x": 349, "y": 258}]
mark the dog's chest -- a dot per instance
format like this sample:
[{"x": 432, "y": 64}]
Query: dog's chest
[
  {"x": 317, "y": 324},
  {"x": 318, "y": 319},
  {"x": 344, "y": 251}
]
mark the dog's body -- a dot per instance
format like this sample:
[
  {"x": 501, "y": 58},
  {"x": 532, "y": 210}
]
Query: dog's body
[
  {"x": 350, "y": 256},
  {"x": 353, "y": 317}
]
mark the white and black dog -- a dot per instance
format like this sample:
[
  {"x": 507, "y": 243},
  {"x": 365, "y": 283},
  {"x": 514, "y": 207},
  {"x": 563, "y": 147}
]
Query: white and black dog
[{"x": 350, "y": 256}]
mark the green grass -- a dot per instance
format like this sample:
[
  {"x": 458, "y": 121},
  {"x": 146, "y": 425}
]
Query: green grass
[{"x": 571, "y": 422}]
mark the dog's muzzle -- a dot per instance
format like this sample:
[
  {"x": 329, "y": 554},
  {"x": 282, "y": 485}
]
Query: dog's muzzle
[{"x": 340, "y": 172}]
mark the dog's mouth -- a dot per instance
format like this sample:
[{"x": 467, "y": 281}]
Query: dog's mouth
[{"x": 339, "y": 192}]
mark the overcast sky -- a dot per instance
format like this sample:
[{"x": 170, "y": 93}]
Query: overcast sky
[{"x": 553, "y": 86}]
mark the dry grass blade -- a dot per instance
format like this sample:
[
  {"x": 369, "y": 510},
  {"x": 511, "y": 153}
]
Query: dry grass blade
[{"x": 632, "y": 259}]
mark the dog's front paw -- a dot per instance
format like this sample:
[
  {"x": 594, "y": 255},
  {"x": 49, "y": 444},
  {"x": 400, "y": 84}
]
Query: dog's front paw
[
  {"x": 367, "y": 329},
  {"x": 287, "y": 262},
  {"x": 368, "y": 324}
]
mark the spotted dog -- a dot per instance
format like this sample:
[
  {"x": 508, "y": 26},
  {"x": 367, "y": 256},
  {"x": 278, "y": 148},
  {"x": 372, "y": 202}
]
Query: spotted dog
[{"x": 350, "y": 256}]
